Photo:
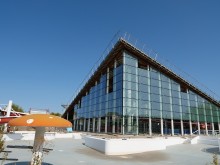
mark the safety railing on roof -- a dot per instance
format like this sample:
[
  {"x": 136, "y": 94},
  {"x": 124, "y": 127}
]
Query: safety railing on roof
[
  {"x": 151, "y": 53},
  {"x": 172, "y": 67}
]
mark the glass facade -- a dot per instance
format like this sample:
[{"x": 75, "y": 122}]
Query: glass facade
[{"x": 133, "y": 97}]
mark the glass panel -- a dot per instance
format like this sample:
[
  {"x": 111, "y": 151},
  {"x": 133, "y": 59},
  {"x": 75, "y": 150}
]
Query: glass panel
[
  {"x": 154, "y": 74},
  {"x": 164, "y": 78},
  {"x": 143, "y": 104},
  {"x": 143, "y": 96},
  {"x": 143, "y": 80},
  {"x": 165, "y": 92},
  {"x": 201, "y": 118},
  {"x": 165, "y": 84},
  {"x": 129, "y": 60},
  {"x": 166, "y": 107},
  {"x": 155, "y": 114},
  {"x": 142, "y": 72},
  {"x": 143, "y": 88},
  {"x": 175, "y": 94},
  {"x": 154, "y": 90},
  {"x": 130, "y": 93},
  {"x": 154, "y": 82},
  {"x": 176, "y": 108},
  {"x": 175, "y": 86},
  {"x": 130, "y": 77},
  {"x": 165, "y": 99},
  {"x": 166, "y": 114},
  {"x": 155, "y": 106},
  {"x": 130, "y": 85},
  {"x": 176, "y": 115},
  {"x": 130, "y": 102},
  {"x": 143, "y": 112},
  {"x": 155, "y": 98},
  {"x": 208, "y": 119},
  {"x": 176, "y": 101}
]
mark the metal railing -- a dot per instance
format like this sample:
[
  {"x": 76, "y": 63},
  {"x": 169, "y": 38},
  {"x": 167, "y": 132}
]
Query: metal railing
[
  {"x": 213, "y": 133},
  {"x": 172, "y": 67},
  {"x": 148, "y": 52}
]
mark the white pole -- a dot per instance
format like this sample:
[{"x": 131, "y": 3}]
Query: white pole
[
  {"x": 8, "y": 114},
  {"x": 8, "y": 109},
  {"x": 150, "y": 127},
  {"x": 182, "y": 128},
  {"x": 172, "y": 127},
  {"x": 161, "y": 126}
]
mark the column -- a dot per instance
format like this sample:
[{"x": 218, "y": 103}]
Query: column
[
  {"x": 80, "y": 124},
  {"x": 181, "y": 114},
  {"x": 213, "y": 129},
  {"x": 213, "y": 126},
  {"x": 137, "y": 126},
  {"x": 107, "y": 83},
  {"x": 114, "y": 97},
  {"x": 197, "y": 111},
  {"x": 172, "y": 127},
  {"x": 123, "y": 108},
  {"x": 171, "y": 107},
  {"x": 190, "y": 120},
  {"x": 161, "y": 126},
  {"x": 88, "y": 128},
  {"x": 149, "y": 98},
  {"x": 74, "y": 124},
  {"x": 198, "y": 127},
  {"x": 76, "y": 128},
  {"x": 206, "y": 128},
  {"x": 150, "y": 127},
  {"x": 107, "y": 91},
  {"x": 67, "y": 116},
  {"x": 113, "y": 124},
  {"x": 190, "y": 127},
  {"x": 93, "y": 124},
  {"x": 99, "y": 124},
  {"x": 106, "y": 124},
  {"x": 129, "y": 124},
  {"x": 182, "y": 129},
  {"x": 219, "y": 127},
  {"x": 161, "y": 106},
  {"x": 123, "y": 125},
  {"x": 84, "y": 125}
]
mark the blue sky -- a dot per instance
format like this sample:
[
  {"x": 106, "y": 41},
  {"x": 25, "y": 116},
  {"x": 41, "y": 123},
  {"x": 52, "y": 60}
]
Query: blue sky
[{"x": 47, "y": 47}]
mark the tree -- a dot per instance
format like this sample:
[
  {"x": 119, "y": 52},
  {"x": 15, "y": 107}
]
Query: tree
[
  {"x": 55, "y": 114},
  {"x": 17, "y": 108}
]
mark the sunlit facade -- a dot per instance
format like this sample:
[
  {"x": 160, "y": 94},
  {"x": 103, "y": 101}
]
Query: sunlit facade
[{"x": 130, "y": 93}]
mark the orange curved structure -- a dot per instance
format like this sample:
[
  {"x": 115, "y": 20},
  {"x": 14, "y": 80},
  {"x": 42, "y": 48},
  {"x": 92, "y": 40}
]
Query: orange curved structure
[{"x": 40, "y": 120}]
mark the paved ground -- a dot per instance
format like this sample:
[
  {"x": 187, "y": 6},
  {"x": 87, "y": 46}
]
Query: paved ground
[{"x": 72, "y": 152}]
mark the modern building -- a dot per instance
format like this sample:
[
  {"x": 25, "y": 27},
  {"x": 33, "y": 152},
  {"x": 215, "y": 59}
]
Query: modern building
[{"x": 131, "y": 93}]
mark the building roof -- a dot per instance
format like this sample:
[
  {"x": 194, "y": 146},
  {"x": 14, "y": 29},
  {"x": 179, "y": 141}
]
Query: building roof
[{"x": 123, "y": 45}]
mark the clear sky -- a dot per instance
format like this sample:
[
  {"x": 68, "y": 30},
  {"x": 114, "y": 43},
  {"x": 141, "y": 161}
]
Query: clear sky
[{"x": 47, "y": 47}]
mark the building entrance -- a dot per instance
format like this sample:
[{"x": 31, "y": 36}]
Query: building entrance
[{"x": 143, "y": 125}]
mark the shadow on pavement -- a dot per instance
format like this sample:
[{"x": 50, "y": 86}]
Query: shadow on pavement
[
  {"x": 213, "y": 150},
  {"x": 25, "y": 163}
]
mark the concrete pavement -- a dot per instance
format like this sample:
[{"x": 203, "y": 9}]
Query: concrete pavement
[{"x": 74, "y": 152}]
